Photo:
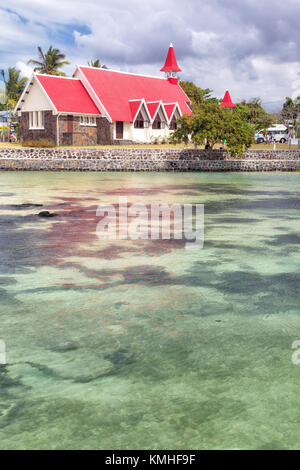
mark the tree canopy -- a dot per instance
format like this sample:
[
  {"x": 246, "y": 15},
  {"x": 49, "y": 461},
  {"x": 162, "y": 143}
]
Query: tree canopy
[
  {"x": 215, "y": 124},
  {"x": 254, "y": 113},
  {"x": 196, "y": 94},
  {"x": 49, "y": 62},
  {"x": 14, "y": 86},
  {"x": 96, "y": 63},
  {"x": 290, "y": 113},
  {"x": 290, "y": 109}
]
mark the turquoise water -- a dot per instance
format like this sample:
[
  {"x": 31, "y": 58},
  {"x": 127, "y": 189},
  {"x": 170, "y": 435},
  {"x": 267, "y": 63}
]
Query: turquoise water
[{"x": 144, "y": 344}]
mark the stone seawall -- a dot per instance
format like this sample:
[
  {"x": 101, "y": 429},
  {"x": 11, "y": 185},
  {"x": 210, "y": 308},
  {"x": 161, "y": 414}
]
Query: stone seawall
[{"x": 154, "y": 159}]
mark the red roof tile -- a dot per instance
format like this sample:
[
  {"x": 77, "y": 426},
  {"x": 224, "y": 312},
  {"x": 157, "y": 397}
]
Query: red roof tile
[
  {"x": 116, "y": 89},
  {"x": 134, "y": 106},
  {"x": 169, "y": 109},
  {"x": 152, "y": 108},
  {"x": 171, "y": 62},
  {"x": 67, "y": 94},
  {"x": 227, "y": 102}
]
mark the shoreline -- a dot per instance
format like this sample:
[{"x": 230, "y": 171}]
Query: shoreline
[{"x": 145, "y": 160}]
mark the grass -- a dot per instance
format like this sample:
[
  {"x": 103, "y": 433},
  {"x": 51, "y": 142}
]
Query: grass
[{"x": 161, "y": 146}]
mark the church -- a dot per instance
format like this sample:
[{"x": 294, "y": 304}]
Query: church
[{"x": 102, "y": 106}]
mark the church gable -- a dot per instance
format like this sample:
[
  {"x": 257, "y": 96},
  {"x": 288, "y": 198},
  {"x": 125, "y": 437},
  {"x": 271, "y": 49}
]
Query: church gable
[{"x": 35, "y": 99}]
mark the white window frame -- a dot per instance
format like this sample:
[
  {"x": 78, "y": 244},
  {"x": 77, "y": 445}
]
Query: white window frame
[
  {"x": 88, "y": 121},
  {"x": 36, "y": 120}
]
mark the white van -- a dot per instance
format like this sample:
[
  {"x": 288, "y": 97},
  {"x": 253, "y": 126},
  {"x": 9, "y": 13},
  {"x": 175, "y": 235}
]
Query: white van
[{"x": 277, "y": 133}]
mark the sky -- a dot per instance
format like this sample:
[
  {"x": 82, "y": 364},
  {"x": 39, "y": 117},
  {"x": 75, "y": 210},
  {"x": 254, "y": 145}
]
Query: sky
[{"x": 246, "y": 46}]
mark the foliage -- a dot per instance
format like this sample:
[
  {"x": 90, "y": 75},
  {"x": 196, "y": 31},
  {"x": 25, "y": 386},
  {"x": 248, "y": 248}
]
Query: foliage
[
  {"x": 50, "y": 62},
  {"x": 2, "y": 98},
  {"x": 41, "y": 143},
  {"x": 253, "y": 112},
  {"x": 214, "y": 124},
  {"x": 14, "y": 86},
  {"x": 4, "y": 130},
  {"x": 290, "y": 110},
  {"x": 96, "y": 63},
  {"x": 159, "y": 140},
  {"x": 196, "y": 94},
  {"x": 17, "y": 129}
]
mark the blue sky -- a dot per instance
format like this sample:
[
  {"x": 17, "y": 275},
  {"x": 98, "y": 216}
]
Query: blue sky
[{"x": 249, "y": 47}]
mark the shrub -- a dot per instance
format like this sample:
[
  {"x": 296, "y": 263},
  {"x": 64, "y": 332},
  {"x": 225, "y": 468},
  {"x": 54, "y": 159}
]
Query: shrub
[
  {"x": 40, "y": 143},
  {"x": 154, "y": 140}
]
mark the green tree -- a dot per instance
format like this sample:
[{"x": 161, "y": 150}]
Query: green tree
[
  {"x": 254, "y": 113},
  {"x": 215, "y": 124},
  {"x": 50, "y": 62},
  {"x": 2, "y": 99},
  {"x": 196, "y": 94},
  {"x": 290, "y": 110},
  {"x": 14, "y": 85},
  {"x": 290, "y": 113},
  {"x": 96, "y": 63}
]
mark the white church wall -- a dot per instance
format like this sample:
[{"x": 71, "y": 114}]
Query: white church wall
[{"x": 35, "y": 100}]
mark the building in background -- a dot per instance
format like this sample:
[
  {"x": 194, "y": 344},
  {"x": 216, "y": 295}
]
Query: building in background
[{"x": 102, "y": 106}]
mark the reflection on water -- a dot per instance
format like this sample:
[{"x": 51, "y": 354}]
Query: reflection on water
[{"x": 143, "y": 344}]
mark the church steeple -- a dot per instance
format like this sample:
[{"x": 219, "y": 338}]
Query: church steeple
[
  {"x": 171, "y": 67},
  {"x": 227, "y": 101}
]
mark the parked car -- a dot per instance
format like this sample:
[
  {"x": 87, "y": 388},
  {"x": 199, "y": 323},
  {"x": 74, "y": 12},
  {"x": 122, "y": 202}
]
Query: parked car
[{"x": 277, "y": 133}]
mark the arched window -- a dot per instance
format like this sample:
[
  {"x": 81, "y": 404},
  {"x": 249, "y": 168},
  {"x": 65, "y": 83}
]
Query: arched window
[
  {"x": 173, "y": 124},
  {"x": 139, "y": 123},
  {"x": 157, "y": 124}
]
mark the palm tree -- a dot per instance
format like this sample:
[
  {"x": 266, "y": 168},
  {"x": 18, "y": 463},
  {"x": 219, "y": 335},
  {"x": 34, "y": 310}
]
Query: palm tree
[
  {"x": 2, "y": 99},
  {"x": 14, "y": 85},
  {"x": 51, "y": 62},
  {"x": 96, "y": 63}
]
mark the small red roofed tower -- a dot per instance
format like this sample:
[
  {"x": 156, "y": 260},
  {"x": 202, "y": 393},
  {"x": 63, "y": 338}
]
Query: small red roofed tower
[
  {"x": 227, "y": 101},
  {"x": 171, "y": 67}
]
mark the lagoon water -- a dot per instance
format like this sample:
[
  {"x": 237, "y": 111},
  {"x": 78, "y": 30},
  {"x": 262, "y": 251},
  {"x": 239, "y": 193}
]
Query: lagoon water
[{"x": 144, "y": 344}]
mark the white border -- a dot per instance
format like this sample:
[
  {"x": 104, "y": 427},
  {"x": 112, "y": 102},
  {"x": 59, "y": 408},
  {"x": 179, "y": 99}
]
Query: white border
[
  {"x": 143, "y": 102},
  {"x": 175, "y": 107},
  {"x": 160, "y": 105},
  {"x": 93, "y": 95},
  {"x": 34, "y": 78},
  {"x": 120, "y": 71}
]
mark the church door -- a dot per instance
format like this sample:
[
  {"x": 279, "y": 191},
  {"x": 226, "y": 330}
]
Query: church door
[{"x": 119, "y": 129}]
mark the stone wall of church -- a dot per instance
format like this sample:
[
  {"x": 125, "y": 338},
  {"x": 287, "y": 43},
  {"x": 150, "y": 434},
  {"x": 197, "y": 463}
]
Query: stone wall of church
[
  {"x": 70, "y": 133},
  {"x": 49, "y": 131},
  {"x": 105, "y": 131}
]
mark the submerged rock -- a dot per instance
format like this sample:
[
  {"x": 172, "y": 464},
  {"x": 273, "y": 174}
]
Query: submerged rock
[
  {"x": 66, "y": 347},
  {"x": 27, "y": 205},
  {"x": 46, "y": 214}
]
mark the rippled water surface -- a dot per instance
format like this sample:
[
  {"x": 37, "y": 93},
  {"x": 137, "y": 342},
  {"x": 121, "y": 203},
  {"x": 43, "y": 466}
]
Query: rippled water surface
[{"x": 144, "y": 344}]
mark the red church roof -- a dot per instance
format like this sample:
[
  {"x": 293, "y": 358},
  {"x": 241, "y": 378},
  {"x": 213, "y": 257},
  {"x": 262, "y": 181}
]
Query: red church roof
[
  {"x": 134, "y": 107},
  {"x": 152, "y": 108},
  {"x": 227, "y": 102},
  {"x": 116, "y": 89},
  {"x": 171, "y": 62},
  {"x": 169, "y": 109},
  {"x": 67, "y": 94}
]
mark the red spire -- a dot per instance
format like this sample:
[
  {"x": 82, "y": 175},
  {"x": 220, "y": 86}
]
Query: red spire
[
  {"x": 227, "y": 102},
  {"x": 171, "y": 62}
]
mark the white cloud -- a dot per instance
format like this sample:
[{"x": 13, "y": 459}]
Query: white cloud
[
  {"x": 25, "y": 69},
  {"x": 218, "y": 44}
]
